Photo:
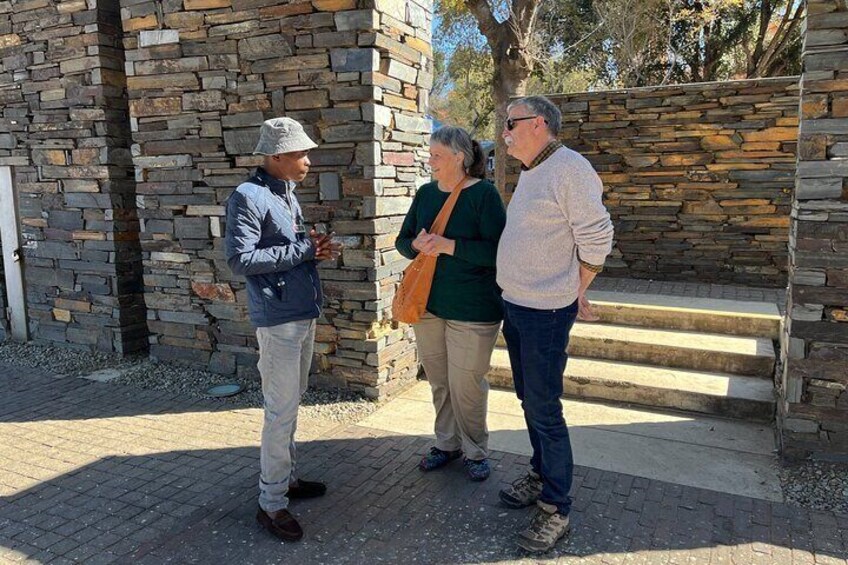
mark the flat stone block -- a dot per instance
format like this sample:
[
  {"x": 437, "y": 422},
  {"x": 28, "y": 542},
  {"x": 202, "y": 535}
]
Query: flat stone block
[
  {"x": 264, "y": 47},
  {"x": 307, "y": 99},
  {"x": 393, "y": 8},
  {"x": 204, "y": 101},
  {"x": 167, "y": 161},
  {"x": 174, "y": 80},
  {"x": 400, "y": 71},
  {"x": 385, "y": 206},
  {"x": 241, "y": 141},
  {"x": 8, "y": 141},
  {"x": 412, "y": 124},
  {"x": 330, "y": 186},
  {"x": 206, "y": 4},
  {"x": 354, "y": 60},
  {"x": 244, "y": 119},
  {"x": 818, "y": 188},
  {"x": 357, "y": 20},
  {"x": 351, "y": 132},
  {"x": 170, "y": 257},
  {"x": 158, "y": 37},
  {"x": 155, "y": 106},
  {"x": 333, "y": 5}
]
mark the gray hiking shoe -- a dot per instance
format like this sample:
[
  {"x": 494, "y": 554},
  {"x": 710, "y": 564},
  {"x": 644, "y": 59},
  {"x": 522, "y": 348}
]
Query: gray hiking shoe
[
  {"x": 523, "y": 492},
  {"x": 546, "y": 529}
]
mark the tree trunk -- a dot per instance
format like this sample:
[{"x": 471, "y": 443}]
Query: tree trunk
[
  {"x": 513, "y": 61},
  {"x": 507, "y": 84}
]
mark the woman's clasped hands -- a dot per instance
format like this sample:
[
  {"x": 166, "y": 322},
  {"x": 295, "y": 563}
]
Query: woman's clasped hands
[{"x": 433, "y": 245}]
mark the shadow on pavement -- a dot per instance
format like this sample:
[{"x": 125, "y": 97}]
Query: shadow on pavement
[{"x": 198, "y": 505}]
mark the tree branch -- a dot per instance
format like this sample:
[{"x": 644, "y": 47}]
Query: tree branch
[
  {"x": 673, "y": 55},
  {"x": 765, "y": 18},
  {"x": 525, "y": 14},
  {"x": 778, "y": 42},
  {"x": 486, "y": 22}
]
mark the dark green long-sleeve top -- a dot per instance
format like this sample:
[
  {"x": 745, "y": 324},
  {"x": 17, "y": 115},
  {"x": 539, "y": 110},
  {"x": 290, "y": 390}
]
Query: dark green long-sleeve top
[{"x": 464, "y": 286}]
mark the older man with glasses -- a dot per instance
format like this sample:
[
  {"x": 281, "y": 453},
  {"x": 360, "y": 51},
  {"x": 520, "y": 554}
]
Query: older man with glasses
[{"x": 557, "y": 236}]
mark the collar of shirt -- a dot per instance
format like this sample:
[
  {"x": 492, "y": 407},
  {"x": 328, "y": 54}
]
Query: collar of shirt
[
  {"x": 279, "y": 186},
  {"x": 549, "y": 150}
]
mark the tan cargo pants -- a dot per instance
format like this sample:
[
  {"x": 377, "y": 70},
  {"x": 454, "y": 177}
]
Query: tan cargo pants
[{"x": 456, "y": 357}]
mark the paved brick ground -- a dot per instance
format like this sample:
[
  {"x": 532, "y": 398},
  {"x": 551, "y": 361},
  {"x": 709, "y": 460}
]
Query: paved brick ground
[{"x": 104, "y": 473}]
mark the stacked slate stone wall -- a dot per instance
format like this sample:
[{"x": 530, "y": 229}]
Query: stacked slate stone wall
[
  {"x": 64, "y": 130},
  {"x": 202, "y": 76},
  {"x": 814, "y": 401},
  {"x": 698, "y": 177},
  {"x": 373, "y": 352}
]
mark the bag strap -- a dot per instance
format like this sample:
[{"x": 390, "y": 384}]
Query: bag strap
[{"x": 441, "y": 221}]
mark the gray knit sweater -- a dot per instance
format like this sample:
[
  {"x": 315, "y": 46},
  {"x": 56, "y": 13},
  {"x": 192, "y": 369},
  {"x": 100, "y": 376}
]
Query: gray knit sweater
[{"x": 555, "y": 215}]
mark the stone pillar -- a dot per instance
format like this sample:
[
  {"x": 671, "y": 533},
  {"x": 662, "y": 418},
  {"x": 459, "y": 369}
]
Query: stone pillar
[
  {"x": 202, "y": 76},
  {"x": 64, "y": 130},
  {"x": 813, "y": 417},
  {"x": 373, "y": 352}
]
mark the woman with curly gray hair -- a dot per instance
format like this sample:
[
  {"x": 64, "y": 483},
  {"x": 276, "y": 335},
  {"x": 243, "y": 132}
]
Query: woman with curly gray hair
[{"x": 457, "y": 334}]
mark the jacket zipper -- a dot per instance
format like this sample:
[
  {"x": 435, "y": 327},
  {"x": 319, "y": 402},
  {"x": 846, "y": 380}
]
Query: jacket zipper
[
  {"x": 314, "y": 294},
  {"x": 311, "y": 278}
]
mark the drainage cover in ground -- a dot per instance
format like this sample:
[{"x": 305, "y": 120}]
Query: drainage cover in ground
[{"x": 220, "y": 391}]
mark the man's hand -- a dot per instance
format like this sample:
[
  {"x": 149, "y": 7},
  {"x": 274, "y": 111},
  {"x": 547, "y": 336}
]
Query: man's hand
[
  {"x": 584, "y": 310},
  {"x": 436, "y": 245},
  {"x": 325, "y": 247},
  {"x": 330, "y": 252}
]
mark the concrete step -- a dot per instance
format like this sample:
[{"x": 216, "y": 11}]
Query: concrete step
[
  {"x": 706, "y": 315},
  {"x": 726, "y": 395},
  {"x": 738, "y": 355}
]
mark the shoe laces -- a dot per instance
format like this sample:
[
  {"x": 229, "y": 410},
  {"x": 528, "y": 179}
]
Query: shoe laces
[
  {"x": 544, "y": 522},
  {"x": 525, "y": 483}
]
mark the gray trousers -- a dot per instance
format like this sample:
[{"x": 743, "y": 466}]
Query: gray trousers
[
  {"x": 456, "y": 357},
  {"x": 285, "y": 355}
]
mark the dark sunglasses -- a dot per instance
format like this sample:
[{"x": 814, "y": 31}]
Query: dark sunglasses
[{"x": 510, "y": 123}]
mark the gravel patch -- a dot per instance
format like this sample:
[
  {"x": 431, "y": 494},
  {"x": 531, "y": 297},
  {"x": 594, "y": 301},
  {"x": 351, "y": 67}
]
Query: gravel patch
[
  {"x": 816, "y": 485},
  {"x": 337, "y": 405},
  {"x": 61, "y": 360}
]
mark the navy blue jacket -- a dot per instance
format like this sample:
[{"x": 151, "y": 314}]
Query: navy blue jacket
[{"x": 266, "y": 241}]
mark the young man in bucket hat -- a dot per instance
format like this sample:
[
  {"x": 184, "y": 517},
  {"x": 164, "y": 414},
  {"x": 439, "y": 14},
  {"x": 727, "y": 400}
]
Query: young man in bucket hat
[{"x": 267, "y": 242}]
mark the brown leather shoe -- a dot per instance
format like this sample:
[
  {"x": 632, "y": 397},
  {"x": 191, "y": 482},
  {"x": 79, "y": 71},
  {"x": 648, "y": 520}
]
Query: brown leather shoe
[{"x": 284, "y": 526}]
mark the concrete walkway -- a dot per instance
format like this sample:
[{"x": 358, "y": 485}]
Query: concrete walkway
[
  {"x": 698, "y": 451},
  {"x": 97, "y": 473}
]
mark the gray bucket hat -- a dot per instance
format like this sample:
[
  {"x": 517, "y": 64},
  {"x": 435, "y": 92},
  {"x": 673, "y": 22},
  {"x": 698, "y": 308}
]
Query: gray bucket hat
[{"x": 282, "y": 135}]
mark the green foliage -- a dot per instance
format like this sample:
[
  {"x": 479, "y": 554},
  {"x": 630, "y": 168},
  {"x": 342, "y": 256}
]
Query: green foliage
[
  {"x": 722, "y": 39},
  {"x": 466, "y": 100},
  {"x": 591, "y": 44},
  {"x": 674, "y": 41}
]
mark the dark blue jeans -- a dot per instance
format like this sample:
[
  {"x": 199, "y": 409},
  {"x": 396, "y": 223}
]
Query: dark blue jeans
[{"x": 536, "y": 340}]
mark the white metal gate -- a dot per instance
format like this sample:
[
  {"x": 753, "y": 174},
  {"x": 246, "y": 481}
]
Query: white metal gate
[{"x": 10, "y": 241}]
